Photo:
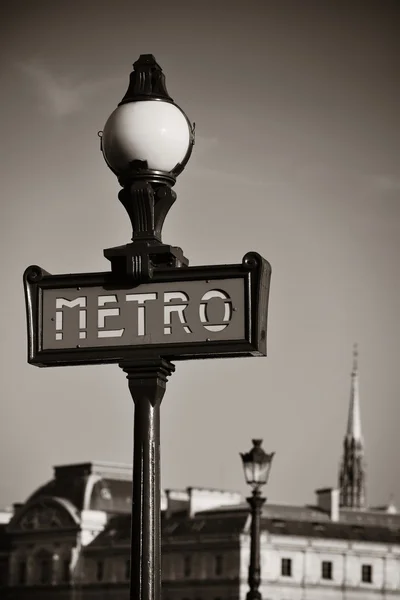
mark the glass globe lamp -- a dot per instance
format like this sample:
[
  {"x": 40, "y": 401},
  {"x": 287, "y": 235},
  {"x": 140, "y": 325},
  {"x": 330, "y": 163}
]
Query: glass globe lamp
[{"x": 147, "y": 135}]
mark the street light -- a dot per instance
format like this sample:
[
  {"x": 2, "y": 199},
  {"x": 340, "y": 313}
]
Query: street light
[
  {"x": 256, "y": 465},
  {"x": 147, "y": 125},
  {"x": 146, "y": 142}
]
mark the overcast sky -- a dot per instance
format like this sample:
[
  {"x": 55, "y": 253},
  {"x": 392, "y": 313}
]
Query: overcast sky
[{"x": 296, "y": 107}]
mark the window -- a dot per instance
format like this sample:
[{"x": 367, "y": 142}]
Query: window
[
  {"x": 3, "y": 571},
  {"x": 99, "y": 570},
  {"x": 46, "y": 571},
  {"x": 286, "y": 567},
  {"x": 279, "y": 523},
  {"x": 127, "y": 569},
  {"x": 198, "y": 525},
  {"x": 22, "y": 573},
  {"x": 219, "y": 564},
  {"x": 187, "y": 566},
  {"x": 65, "y": 570},
  {"x": 326, "y": 569},
  {"x": 366, "y": 573}
]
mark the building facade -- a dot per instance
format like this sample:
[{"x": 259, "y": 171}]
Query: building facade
[{"x": 70, "y": 539}]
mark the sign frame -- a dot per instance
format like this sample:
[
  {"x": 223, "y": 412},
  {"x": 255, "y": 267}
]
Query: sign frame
[{"x": 254, "y": 270}]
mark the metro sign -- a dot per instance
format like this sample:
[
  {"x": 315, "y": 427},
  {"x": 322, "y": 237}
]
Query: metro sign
[{"x": 184, "y": 313}]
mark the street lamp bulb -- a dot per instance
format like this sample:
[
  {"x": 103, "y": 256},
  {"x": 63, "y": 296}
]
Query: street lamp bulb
[
  {"x": 154, "y": 131},
  {"x": 256, "y": 465}
]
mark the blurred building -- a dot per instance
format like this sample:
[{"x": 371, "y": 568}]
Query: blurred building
[{"x": 70, "y": 539}]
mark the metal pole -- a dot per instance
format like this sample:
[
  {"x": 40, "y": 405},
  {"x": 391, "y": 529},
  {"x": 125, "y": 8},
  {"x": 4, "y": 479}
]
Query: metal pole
[
  {"x": 256, "y": 501},
  {"x": 147, "y": 380}
]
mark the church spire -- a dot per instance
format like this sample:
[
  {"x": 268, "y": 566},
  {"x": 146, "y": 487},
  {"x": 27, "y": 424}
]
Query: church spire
[
  {"x": 352, "y": 472},
  {"x": 354, "y": 419}
]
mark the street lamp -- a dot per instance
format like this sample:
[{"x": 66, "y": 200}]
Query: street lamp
[
  {"x": 146, "y": 142},
  {"x": 257, "y": 465}
]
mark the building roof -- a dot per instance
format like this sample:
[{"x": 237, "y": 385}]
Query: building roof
[
  {"x": 118, "y": 529},
  {"x": 277, "y": 511},
  {"x": 91, "y": 486},
  {"x": 222, "y": 524},
  {"x": 311, "y": 513},
  {"x": 117, "y": 532},
  {"x": 332, "y": 530},
  {"x": 370, "y": 517},
  {"x": 276, "y": 519}
]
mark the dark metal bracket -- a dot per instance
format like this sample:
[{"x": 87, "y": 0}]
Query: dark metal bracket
[{"x": 147, "y": 204}]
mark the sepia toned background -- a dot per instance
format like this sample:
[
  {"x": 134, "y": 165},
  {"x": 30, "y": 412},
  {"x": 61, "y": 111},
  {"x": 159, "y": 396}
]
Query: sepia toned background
[{"x": 296, "y": 157}]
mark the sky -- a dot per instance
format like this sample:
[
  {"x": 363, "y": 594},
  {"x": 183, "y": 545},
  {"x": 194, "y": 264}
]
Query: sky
[{"x": 296, "y": 157}]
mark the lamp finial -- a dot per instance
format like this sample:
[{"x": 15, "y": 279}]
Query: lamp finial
[{"x": 147, "y": 81}]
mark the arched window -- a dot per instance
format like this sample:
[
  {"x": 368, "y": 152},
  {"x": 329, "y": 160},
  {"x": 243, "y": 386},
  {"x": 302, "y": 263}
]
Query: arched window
[
  {"x": 99, "y": 570},
  {"x": 219, "y": 564},
  {"x": 46, "y": 571},
  {"x": 22, "y": 572},
  {"x": 3, "y": 571},
  {"x": 44, "y": 567},
  {"x": 187, "y": 566},
  {"x": 65, "y": 570}
]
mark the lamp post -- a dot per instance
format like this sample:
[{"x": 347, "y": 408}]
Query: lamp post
[
  {"x": 256, "y": 465},
  {"x": 151, "y": 308},
  {"x": 146, "y": 142}
]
